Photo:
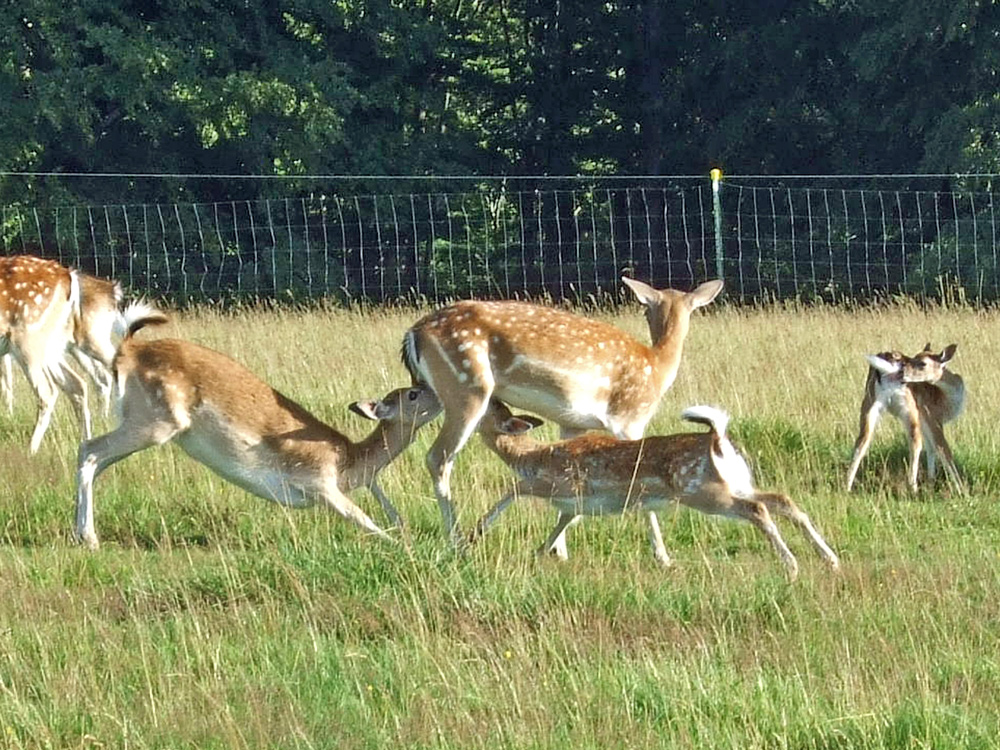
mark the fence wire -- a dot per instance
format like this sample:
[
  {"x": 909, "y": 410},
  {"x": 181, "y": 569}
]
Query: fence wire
[{"x": 777, "y": 242}]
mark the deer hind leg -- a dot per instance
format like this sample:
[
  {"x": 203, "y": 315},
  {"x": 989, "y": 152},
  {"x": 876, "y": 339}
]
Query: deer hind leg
[
  {"x": 7, "y": 382},
  {"x": 98, "y": 454},
  {"x": 866, "y": 431},
  {"x": 934, "y": 432},
  {"x": 756, "y": 513},
  {"x": 460, "y": 421},
  {"x": 781, "y": 505},
  {"x": 98, "y": 373},
  {"x": 46, "y": 382}
]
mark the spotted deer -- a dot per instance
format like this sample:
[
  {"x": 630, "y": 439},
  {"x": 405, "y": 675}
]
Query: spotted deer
[
  {"x": 597, "y": 474},
  {"x": 95, "y": 325},
  {"x": 577, "y": 372},
  {"x": 225, "y": 417},
  {"x": 38, "y": 303},
  {"x": 922, "y": 394}
]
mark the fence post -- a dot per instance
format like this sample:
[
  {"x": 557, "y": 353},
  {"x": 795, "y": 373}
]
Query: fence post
[{"x": 716, "y": 175}]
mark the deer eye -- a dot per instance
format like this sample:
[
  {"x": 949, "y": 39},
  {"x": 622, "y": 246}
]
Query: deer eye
[{"x": 413, "y": 394}]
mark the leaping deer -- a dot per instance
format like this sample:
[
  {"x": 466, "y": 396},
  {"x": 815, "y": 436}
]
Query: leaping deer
[
  {"x": 39, "y": 300},
  {"x": 599, "y": 475},
  {"x": 922, "y": 394},
  {"x": 223, "y": 416},
  {"x": 577, "y": 372}
]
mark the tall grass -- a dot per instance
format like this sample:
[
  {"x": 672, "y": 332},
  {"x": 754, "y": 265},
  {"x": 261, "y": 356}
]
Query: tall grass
[{"x": 212, "y": 619}]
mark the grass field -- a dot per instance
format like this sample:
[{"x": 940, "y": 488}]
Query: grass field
[{"x": 212, "y": 619}]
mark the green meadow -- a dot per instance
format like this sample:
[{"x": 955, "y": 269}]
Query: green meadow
[{"x": 213, "y": 619}]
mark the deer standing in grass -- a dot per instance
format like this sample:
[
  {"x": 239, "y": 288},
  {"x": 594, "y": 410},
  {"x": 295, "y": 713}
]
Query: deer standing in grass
[
  {"x": 222, "y": 415},
  {"x": 597, "y": 474},
  {"x": 577, "y": 372},
  {"x": 39, "y": 307},
  {"x": 95, "y": 324},
  {"x": 922, "y": 394}
]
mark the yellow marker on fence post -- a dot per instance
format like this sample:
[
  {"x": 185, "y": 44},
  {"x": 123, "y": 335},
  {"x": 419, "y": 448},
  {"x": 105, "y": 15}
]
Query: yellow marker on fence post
[{"x": 716, "y": 175}]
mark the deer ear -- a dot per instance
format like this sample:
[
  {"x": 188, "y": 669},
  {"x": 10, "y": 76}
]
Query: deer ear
[
  {"x": 884, "y": 366},
  {"x": 705, "y": 293},
  {"x": 645, "y": 293},
  {"x": 519, "y": 425},
  {"x": 366, "y": 409},
  {"x": 948, "y": 353}
]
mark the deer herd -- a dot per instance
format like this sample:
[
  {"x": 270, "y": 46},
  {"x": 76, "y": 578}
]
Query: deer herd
[{"x": 470, "y": 361}]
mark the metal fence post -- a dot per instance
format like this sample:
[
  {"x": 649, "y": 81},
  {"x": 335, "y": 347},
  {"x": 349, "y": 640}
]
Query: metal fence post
[{"x": 716, "y": 175}]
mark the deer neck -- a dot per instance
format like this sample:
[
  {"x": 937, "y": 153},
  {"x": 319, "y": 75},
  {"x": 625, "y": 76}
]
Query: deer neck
[
  {"x": 373, "y": 453},
  {"x": 668, "y": 336},
  {"x": 513, "y": 450}
]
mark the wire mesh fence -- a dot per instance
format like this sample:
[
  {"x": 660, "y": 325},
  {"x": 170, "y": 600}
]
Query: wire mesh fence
[{"x": 768, "y": 241}]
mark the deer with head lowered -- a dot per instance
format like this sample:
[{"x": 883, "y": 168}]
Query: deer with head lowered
[
  {"x": 597, "y": 474},
  {"x": 223, "y": 416},
  {"x": 577, "y": 372},
  {"x": 922, "y": 394},
  {"x": 96, "y": 321}
]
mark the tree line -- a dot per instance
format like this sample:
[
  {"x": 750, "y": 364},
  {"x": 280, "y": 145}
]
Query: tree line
[{"x": 486, "y": 87}]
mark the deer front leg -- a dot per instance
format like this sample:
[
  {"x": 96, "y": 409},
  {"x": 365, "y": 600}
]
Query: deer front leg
[
  {"x": 556, "y": 543},
  {"x": 656, "y": 541},
  {"x": 916, "y": 445}
]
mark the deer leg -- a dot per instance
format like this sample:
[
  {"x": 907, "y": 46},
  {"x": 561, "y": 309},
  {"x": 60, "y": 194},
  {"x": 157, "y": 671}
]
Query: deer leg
[
  {"x": 656, "y": 541},
  {"x": 98, "y": 454},
  {"x": 869, "y": 418},
  {"x": 74, "y": 386},
  {"x": 341, "y": 504},
  {"x": 460, "y": 422},
  {"x": 783, "y": 506},
  {"x": 7, "y": 382},
  {"x": 939, "y": 445},
  {"x": 391, "y": 513},
  {"x": 98, "y": 373},
  {"x": 556, "y": 543},
  {"x": 490, "y": 517},
  {"x": 916, "y": 445},
  {"x": 756, "y": 513}
]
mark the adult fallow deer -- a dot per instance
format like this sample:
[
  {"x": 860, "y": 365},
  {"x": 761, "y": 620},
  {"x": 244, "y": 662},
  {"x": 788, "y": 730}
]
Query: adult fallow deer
[
  {"x": 922, "y": 394},
  {"x": 577, "y": 372},
  {"x": 222, "y": 415},
  {"x": 598, "y": 475},
  {"x": 39, "y": 301},
  {"x": 96, "y": 323}
]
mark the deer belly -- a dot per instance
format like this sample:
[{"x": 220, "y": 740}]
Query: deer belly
[
  {"x": 582, "y": 407},
  {"x": 246, "y": 463},
  {"x": 595, "y": 497}
]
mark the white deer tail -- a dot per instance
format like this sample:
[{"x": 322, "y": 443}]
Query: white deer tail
[
  {"x": 732, "y": 467},
  {"x": 140, "y": 314},
  {"x": 715, "y": 418}
]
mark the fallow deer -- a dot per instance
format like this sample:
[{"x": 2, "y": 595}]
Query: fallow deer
[
  {"x": 223, "y": 416},
  {"x": 922, "y": 394},
  {"x": 598, "y": 474},
  {"x": 577, "y": 372},
  {"x": 95, "y": 324},
  {"x": 38, "y": 303}
]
